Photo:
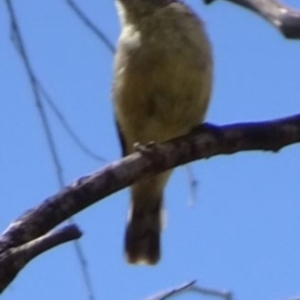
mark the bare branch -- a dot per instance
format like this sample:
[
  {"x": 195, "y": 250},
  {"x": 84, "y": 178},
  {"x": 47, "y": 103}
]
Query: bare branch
[
  {"x": 20, "y": 45},
  {"x": 191, "y": 287},
  {"x": 65, "y": 124},
  {"x": 14, "y": 260},
  {"x": 174, "y": 291},
  {"x": 226, "y": 295},
  {"x": 204, "y": 142},
  {"x": 37, "y": 90},
  {"x": 285, "y": 19},
  {"x": 193, "y": 185},
  {"x": 85, "y": 19},
  {"x": 83, "y": 264}
]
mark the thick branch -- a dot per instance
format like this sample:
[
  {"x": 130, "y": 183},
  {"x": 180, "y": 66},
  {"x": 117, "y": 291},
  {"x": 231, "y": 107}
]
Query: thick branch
[
  {"x": 20, "y": 242},
  {"x": 205, "y": 142},
  {"x": 285, "y": 19},
  {"x": 15, "y": 259}
]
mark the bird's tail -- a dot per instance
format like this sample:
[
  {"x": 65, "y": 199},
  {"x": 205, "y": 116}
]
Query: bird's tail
[{"x": 142, "y": 238}]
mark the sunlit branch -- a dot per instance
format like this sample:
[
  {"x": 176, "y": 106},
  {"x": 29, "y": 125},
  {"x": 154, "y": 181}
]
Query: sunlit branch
[
  {"x": 284, "y": 18},
  {"x": 205, "y": 142}
]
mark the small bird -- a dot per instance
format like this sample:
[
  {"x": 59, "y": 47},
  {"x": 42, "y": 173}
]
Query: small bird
[{"x": 161, "y": 90}]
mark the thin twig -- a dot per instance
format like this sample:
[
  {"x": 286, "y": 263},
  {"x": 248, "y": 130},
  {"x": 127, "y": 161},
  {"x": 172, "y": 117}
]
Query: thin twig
[
  {"x": 83, "y": 264},
  {"x": 34, "y": 85},
  {"x": 174, "y": 291},
  {"x": 226, "y": 295},
  {"x": 191, "y": 287},
  {"x": 86, "y": 21},
  {"x": 61, "y": 118},
  {"x": 18, "y": 41},
  {"x": 193, "y": 183}
]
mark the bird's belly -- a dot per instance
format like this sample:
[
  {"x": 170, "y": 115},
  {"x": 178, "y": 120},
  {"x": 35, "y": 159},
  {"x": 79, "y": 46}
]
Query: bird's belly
[
  {"x": 162, "y": 98},
  {"x": 159, "y": 115},
  {"x": 170, "y": 120}
]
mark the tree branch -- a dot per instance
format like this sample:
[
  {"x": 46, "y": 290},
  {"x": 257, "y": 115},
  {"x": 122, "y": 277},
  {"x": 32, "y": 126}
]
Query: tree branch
[
  {"x": 89, "y": 24},
  {"x": 203, "y": 142},
  {"x": 15, "y": 259},
  {"x": 285, "y": 19},
  {"x": 172, "y": 292},
  {"x": 191, "y": 287}
]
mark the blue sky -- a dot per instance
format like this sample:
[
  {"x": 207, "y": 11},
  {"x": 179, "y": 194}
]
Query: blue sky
[{"x": 242, "y": 234}]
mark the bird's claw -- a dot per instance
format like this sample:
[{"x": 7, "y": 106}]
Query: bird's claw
[{"x": 138, "y": 147}]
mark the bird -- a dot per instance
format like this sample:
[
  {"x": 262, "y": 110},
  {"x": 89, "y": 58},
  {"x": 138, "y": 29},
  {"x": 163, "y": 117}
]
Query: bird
[{"x": 163, "y": 69}]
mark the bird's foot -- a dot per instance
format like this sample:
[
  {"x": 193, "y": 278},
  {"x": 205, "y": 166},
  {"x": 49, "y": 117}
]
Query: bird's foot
[{"x": 144, "y": 149}]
